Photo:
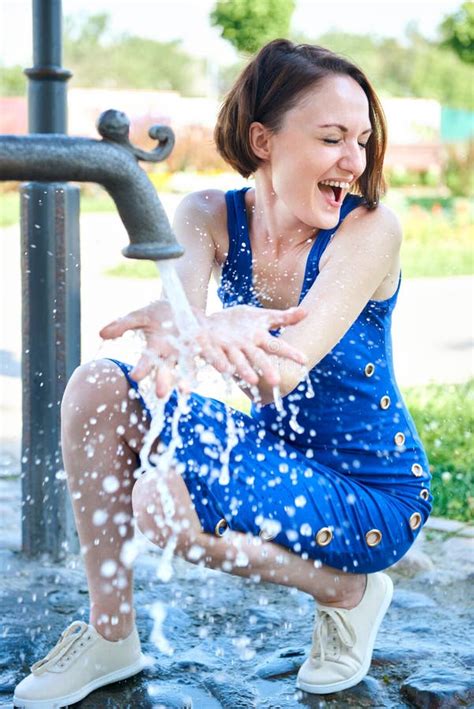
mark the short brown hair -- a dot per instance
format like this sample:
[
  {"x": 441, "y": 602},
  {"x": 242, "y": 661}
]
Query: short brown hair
[{"x": 271, "y": 84}]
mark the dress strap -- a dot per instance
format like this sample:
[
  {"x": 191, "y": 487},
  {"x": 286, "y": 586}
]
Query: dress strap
[
  {"x": 235, "y": 285},
  {"x": 322, "y": 241}
]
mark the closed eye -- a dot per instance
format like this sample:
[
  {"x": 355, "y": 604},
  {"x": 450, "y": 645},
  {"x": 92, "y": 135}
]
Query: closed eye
[{"x": 335, "y": 142}]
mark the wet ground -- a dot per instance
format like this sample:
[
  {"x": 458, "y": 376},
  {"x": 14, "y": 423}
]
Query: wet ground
[{"x": 238, "y": 645}]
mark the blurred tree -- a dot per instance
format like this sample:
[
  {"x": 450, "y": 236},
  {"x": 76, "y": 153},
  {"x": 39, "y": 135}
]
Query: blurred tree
[
  {"x": 99, "y": 60},
  {"x": 249, "y": 24},
  {"x": 457, "y": 31},
  {"x": 417, "y": 68}
]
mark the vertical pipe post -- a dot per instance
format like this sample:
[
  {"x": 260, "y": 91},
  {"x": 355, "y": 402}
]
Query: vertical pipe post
[{"x": 50, "y": 304}]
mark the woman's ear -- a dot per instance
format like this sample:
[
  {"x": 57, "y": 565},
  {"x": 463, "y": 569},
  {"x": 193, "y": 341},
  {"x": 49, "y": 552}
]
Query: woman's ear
[{"x": 259, "y": 138}]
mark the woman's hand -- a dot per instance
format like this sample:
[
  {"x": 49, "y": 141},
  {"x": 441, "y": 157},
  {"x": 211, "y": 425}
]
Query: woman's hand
[
  {"x": 234, "y": 341},
  {"x": 237, "y": 341},
  {"x": 160, "y": 354}
]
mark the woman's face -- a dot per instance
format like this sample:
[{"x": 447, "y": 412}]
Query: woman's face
[{"x": 318, "y": 153}]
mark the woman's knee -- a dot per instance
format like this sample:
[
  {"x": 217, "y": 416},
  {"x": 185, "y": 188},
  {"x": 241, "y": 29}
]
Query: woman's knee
[{"x": 98, "y": 394}]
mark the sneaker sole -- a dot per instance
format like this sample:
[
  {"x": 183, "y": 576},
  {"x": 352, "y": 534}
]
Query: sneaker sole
[
  {"x": 68, "y": 699},
  {"x": 359, "y": 676}
]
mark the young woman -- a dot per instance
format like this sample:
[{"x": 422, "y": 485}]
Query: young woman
[{"x": 321, "y": 493}]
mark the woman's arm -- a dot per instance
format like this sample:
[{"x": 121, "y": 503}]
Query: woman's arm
[
  {"x": 194, "y": 221},
  {"x": 363, "y": 253}
]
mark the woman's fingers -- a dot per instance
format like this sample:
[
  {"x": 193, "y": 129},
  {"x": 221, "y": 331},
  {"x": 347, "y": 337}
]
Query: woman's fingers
[
  {"x": 133, "y": 321},
  {"x": 164, "y": 380},
  {"x": 144, "y": 366},
  {"x": 280, "y": 348},
  {"x": 212, "y": 353},
  {"x": 263, "y": 364},
  {"x": 241, "y": 365},
  {"x": 280, "y": 318}
]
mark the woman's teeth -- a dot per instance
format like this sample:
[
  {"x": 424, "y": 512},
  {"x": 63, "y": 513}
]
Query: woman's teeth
[{"x": 336, "y": 183}]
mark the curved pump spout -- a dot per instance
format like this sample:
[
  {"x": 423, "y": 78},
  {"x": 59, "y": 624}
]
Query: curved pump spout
[{"x": 110, "y": 162}]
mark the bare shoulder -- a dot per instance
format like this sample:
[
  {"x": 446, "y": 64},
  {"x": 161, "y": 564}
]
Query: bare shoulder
[
  {"x": 205, "y": 207},
  {"x": 380, "y": 223},
  {"x": 204, "y": 213}
]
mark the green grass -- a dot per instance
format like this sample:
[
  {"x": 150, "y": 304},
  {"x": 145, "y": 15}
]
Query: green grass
[
  {"x": 444, "y": 416},
  {"x": 9, "y": 209},
  {"x": 450, "y": 259},
  {"x": 133, "y": 268}
]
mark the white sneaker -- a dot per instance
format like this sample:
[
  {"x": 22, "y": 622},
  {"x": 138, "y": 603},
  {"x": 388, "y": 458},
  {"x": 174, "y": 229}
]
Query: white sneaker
[
  {"x": 343, "y": 640},
  {"x": 81, "y": 661}
]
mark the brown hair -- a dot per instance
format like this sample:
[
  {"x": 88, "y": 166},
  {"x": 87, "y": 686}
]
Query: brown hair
[{"x": 271, "y": 84}]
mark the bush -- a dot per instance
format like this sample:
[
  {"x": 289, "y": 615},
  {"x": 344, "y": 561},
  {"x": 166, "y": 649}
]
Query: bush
[
  {"x": 458, "y": 173},
  {"x": 410, "y": 178},
  {"x": 444, "y": 416}
]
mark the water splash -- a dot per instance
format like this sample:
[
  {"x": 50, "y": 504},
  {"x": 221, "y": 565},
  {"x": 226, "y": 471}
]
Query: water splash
[{"x": 278, "y": 401}]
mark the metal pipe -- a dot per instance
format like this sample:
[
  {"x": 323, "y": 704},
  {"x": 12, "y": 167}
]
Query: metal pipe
[
  {"x": 47, "y": 79},
  {"x": 110, "y": 162}
]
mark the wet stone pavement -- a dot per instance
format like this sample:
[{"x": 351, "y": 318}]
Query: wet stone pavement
[{"x": 233, "y": 644}]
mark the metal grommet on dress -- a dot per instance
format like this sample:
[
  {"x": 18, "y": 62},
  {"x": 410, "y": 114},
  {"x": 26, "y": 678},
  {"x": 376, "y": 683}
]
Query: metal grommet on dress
[
  {"x": 373, "y": 537},
  {"x": 369, "y": 369},
  {"x": 417, "y": 470},
  {"x": 425, "y": 493},
  {"x": 399, "y": 438},
  {"x": 221, "y": 527},
  {"x": 415, "y": 520},
  {"x": 324, "y": 536},
  {"x": 266, "y": 535},
  {"x": 385, "y": 402}
]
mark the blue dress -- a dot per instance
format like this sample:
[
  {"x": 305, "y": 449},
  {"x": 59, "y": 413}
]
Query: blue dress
[{"x": 340, "y": 475}]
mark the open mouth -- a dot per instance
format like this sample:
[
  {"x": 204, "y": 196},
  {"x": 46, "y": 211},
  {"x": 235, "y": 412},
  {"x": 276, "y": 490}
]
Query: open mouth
[
  {"x": 337, "y": 192},
  {"x": 333, "y": 191}
]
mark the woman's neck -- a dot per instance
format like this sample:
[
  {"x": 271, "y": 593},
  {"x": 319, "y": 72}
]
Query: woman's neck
[{"x": 270, "y": 221}]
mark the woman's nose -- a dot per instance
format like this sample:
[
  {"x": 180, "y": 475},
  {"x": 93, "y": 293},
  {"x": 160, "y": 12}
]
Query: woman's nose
[{"x": 354, "y": 159}]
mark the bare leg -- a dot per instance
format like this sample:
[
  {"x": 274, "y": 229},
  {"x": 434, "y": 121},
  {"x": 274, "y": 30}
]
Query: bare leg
[
  {"x": 102, "y": 429},
  {"x": 235, "y": 552}
]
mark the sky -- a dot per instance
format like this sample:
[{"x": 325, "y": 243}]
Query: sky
[{"x": 188, "y": 20}]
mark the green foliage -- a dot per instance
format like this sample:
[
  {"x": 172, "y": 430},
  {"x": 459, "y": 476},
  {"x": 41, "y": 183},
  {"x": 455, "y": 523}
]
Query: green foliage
[
  {"x": 457, "y": 31},
  {"x": 12, "y": 81},
  {"x": 249, "y": 24},
  {"x": 444, "y": 417},
  {"x": 459, "y": 169},
  {"x": 415, "y": 68},
  {"x": 99, "y": 60}
]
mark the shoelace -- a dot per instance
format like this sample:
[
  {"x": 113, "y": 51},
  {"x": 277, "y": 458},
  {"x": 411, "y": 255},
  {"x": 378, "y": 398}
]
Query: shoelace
[
  {"x": 69, "y": 637},
  {"x": 333, "y": 629}
]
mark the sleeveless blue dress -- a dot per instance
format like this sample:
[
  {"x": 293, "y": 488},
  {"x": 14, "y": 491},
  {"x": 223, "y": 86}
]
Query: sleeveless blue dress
[{"x": 340, "y": 475}]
